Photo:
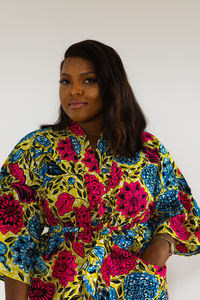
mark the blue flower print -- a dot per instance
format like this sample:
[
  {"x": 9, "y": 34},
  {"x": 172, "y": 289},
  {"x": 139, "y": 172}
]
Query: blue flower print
[
  {"x": 54, "y": 169},
  {"x": 127, "y": 160},
  {"x": 71, "y": 180},
  {"x": 92, "y": 268},
  {"x": 16, "y": 156},
  {"x": 196, "y": 208},
  {"x": 123, "y": 241},
  {"x": 24, "y": 253},
  {"x": 53, "y": 243},
  {"x": 35, "y": 227},
  {"x": 99, "y": 252},
  {"x": 113, "y": 294},
  {"x": 105, "y": 171},
  {"x": 163, "y": 295},
  {"x": 150, "y": 176},
  {"x": 162, "y": 149},
  {"x": 42, "y": 140},
  {"x": 102, "y": 295},
  {"x": 140, "y": 286},
  {"x": 32, "y": 134},
  {"x": 3, "y": 173},
  {"x": 95, "y": 222},
  {"x": 102, "y": 145},
  {"x": 148, "y": 232},
  {"x": 88, "y": 286},
  {"x": 3, "y": 259},
  {"x": 42, "y": 173},
  {"x": 169, "y": 203},
  {"x": 183, "y": 185},
  {"x": 76, "y": 144},
  {"x": 169, "y": 176},
  {"x": 41, "y": 265}
]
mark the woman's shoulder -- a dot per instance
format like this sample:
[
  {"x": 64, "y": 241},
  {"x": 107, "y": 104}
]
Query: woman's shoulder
[
  {"x": 42, "y": 136},
  {"x": 37, "y": 139},
  {"x": 150, "y": 139}
]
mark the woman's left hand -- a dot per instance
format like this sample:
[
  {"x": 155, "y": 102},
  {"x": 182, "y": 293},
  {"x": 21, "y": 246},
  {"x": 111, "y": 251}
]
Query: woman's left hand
[{"x": 157, "y": 253}]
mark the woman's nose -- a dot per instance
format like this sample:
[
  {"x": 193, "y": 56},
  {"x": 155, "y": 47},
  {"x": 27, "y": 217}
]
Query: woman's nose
[{"x": 76, "y": 90}]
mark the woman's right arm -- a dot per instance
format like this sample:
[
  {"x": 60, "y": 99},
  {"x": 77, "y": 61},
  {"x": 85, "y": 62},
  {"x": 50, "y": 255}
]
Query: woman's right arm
[{"x": 16, "y": 290}]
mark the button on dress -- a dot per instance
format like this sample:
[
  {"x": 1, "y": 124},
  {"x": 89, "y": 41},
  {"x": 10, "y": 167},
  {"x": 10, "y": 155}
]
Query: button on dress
[{"x": 74, "y": 222}]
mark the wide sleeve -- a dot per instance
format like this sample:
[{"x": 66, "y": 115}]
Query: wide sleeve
[
  {"x": 20, "y": 216},
  {"x": 175, "y": 211}
]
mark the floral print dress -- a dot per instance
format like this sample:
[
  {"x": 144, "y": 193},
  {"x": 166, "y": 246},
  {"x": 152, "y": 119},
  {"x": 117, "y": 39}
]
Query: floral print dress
[{"x": 74, "y": 222}]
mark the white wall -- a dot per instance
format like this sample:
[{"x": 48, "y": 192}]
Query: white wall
[{"x": 158, "y": 41}]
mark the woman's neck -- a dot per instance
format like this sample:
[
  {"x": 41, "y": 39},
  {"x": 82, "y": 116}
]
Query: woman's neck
[{"x": 92, "y": 131}]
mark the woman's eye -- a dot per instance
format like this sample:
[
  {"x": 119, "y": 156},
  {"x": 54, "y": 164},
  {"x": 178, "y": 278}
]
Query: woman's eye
[
  {"x": 90, "y": 81},
  {"x": 64, "y": 81}
]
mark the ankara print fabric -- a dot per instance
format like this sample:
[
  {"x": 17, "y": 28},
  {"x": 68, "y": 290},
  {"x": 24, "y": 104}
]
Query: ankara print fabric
[{"x": 74, "y": 222}]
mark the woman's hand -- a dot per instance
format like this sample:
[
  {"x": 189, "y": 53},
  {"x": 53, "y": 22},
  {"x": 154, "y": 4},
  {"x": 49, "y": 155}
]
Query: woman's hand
[
  {"x": 16, "y": 290},
  {"x": 157, "y": 253}
]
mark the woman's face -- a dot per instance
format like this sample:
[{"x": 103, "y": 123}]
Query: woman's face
[{"x": 79, "y": 91}]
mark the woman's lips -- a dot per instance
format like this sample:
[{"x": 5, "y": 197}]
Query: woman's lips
[{"x": 76, "y": 105}]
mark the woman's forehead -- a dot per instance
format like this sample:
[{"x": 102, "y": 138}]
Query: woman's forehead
[{"x": 77, "y": 64}]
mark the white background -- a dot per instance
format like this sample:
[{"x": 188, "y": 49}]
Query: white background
[{"x": 159, "y": 43}]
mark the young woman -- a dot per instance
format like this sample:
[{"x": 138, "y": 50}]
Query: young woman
[{"x": 92, "y": 206}]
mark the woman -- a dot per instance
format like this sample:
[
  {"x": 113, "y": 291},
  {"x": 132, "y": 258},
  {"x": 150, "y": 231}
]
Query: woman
[{"x": 93, "y": 206}]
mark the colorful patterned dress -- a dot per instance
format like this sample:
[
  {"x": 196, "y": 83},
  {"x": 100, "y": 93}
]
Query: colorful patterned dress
[{"x": 74, "y": 222}]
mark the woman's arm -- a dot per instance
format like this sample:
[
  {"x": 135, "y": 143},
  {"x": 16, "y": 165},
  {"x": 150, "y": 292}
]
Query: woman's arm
[
  {"x": 159, "y": 250},
  {"x": 16, "y": 290}
]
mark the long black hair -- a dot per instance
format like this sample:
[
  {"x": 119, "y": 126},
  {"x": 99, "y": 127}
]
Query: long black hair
[{"x": 124, "y": 120}]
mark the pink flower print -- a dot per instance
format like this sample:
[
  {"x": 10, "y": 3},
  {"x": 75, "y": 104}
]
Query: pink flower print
[
  {"x": 11, "y": 214},
  {"x": 17, "y": 172},
  {"x": 179, "y": 172},
  {"x": 95, "y": 189},
  {"x": 85, "y": 235},
  {"x": 76, "y": 128},
  {"x": 122, "y": 261},
  {"x": 64, "y": 203},
  {"x": 162, "y": 271},
  {"x": 117, "y": 263},
  {"x": 152, "y": 208},
  {"x": 90, "y": 161},
  {"x": 26, "y": 193},
  {"x": 40, "y": 290},
  {"x": 132, "y": 199},
  {"x": 176, "y": 223},
  {"x": 64, "y": 268},
  {"x": 69, "y": 236},
  {"x": 102, "y": 208},
  {"x": 51, "y": 220},
  {"x": 115, "y": 176},
  {"x": 83, "y": 219},
  {"x": 146, "y": 136},
  {"x": 185, "y": 200},
  {"x": 66, "y": 150},
  {"x": 78, "y": 248},
  {"x": 197, "y": 233},
  {"x": 152, "y": 154},
  {"x": 181, "y": 248},
  {"x": 105, "y": 269}
]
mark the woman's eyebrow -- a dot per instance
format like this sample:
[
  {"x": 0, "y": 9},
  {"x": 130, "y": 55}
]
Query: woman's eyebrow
[{"x": 82, "y": 74}]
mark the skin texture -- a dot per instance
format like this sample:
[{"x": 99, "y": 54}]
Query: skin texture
[
  {"x": 157, "y": 253},
  {"x": 16, "y": 290},
  {"x": 78, "y": 85}
]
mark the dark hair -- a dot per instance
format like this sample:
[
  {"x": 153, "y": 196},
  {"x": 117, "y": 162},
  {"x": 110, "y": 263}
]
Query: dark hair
[{"x": 124, "y": 120}]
